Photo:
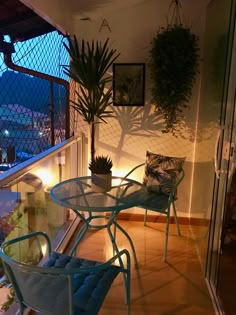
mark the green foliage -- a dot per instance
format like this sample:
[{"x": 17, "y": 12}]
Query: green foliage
[
  {"x": 101, "y": 165},
  {"x": 173, "y": 68},
  {"x": 89, "y": 67},
  {"x": 10, "y": 297}
]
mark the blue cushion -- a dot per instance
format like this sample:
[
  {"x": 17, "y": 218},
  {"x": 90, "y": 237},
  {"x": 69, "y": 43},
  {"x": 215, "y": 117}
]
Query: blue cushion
[
  {"x": 156, "y": 201},
  {"x": 90, "y": 288}
]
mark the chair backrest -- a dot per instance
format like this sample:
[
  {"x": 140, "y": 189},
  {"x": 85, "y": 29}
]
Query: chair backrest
[
  {"x": 40, "y": 288},
  {"x": 138, "y": 172},
  {"x": 179, "y": 179}
]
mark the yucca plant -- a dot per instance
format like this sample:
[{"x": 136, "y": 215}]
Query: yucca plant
[
  {"x": 101, "y": 165},
  {"x": 89, "y": 68}
]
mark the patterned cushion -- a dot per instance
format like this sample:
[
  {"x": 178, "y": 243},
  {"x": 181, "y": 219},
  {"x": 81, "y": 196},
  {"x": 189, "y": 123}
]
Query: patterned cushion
[{"x": 161, "y": 172}]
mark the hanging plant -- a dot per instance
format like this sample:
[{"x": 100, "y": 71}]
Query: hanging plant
[{"x": 174, "y": 61}]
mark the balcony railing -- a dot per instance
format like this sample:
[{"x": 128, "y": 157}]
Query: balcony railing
[{"x": 25, "y": 204}]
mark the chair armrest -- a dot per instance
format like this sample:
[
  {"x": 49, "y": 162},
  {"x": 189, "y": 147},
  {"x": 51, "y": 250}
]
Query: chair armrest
[
  {"x": 95, "y": 267},
  {"x": 28, "y": 236},
  {"x": 114, "y": 258},
  {"x": 133, "y": 169},
  {"x": 109, "y": 262},
  {"x": 173, "y": 194}
]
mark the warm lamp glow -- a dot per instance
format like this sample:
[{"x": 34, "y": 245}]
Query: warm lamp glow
[
  {"x": 119, "y": 172},
  {"x": 123, "y": 172},
  {"x": 44, "y": 249},
  {"x": 46, "y": 177},
  {"x": 110, "y": 253}
]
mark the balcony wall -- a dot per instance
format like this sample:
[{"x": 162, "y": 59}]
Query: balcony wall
[{"x": 131, "y": 26}]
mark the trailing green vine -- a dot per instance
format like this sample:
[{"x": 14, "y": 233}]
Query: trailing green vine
[{"x": 174, "y": 61}]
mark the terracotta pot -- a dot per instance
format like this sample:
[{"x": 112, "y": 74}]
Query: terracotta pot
[{"x": 101, "y": 182}]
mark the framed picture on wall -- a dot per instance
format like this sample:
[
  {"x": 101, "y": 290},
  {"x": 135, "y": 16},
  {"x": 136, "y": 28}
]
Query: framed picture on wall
[{"x": 128, "y": 84}]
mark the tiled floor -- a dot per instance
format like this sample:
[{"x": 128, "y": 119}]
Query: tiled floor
[
  {"x": 174, "y": 288},
  {"x": 157, "y": 288}
]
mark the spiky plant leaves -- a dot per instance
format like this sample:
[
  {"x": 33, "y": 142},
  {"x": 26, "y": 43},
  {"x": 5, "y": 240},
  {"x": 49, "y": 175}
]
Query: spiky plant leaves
[
  {"x": 101, "y": 165},
  {"x": 89, "y": 67}
]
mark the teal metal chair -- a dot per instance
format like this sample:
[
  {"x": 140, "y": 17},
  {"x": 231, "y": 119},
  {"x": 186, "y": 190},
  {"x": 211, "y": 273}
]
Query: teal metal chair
[
  {"x": 60, "y": 284},
  {"x": 160, "y": 203}
]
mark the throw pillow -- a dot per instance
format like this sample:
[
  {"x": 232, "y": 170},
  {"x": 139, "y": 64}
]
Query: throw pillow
[{"x": 161, "y": 172}]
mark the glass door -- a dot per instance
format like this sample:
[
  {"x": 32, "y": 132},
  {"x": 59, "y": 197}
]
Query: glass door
[
  {"x": 224, "y": 167},
  {"x": 226, "y": 271}
]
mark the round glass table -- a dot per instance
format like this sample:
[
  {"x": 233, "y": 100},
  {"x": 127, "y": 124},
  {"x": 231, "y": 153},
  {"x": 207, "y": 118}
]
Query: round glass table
[{"x": 78, "y": 195}]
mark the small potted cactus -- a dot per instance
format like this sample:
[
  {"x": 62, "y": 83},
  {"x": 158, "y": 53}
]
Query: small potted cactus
[{"x": 100, "y": 168}]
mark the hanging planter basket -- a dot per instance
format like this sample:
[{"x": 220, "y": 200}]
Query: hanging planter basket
[{"x": 174, "y": 61}]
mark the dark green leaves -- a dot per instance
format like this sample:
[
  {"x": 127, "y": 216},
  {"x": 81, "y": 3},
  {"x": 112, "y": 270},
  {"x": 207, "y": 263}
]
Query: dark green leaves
[
  {"x": 173, "y": 68},
  {"x": 101, "y": 165},
  {"x": 89, "y": 67}
]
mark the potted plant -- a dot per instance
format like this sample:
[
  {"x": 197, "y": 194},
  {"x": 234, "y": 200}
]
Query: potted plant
[
  {"x": 100, "y": 168},
  {"x": 89, "y": 67},
  {"x": 174, "y": 60}
]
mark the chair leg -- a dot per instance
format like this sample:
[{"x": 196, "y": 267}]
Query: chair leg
[
  {"x": 114, "y": 237},
  {"x": 167, "y": 235},
  {"x": 145, "y": 217},
  {"x": 176, "y": 219},
  {"x": 129, "y": 239},
  {"x": 21, "y": 310},
  {"x": 127, "y": 286},
  {"x": 78, "y": 239}
]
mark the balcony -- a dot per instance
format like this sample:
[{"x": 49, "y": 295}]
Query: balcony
[
  {"x": 126, "y": 138},
  {"x": 167, "y": 288}
]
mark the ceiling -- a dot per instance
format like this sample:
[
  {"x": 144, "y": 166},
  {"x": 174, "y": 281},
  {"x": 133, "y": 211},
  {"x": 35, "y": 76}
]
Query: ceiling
[
  {"x": 97, "y": 8},
  {"x": 20, "y": 22}
]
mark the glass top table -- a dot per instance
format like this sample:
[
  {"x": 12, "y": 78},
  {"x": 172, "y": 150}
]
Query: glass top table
[{"x": 78, "y": 195}]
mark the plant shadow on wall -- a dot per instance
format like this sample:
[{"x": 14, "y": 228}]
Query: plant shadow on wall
[
  {"x": 145, "y": 122},
  {"x": 174, "y": 62},
  {"x": 134, "y": 121}
]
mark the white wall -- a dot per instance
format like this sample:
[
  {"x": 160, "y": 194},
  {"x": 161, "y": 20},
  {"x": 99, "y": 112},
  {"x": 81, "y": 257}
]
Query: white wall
[{"x": 132, "y": 29}]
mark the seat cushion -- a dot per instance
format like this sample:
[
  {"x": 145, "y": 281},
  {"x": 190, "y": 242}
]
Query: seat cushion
[
  {"x": 90, "y": 288},
  {"x": 161, "y": 172}
]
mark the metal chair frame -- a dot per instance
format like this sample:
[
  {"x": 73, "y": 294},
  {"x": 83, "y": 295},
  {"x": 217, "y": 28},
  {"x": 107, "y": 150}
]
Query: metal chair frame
[
  {"x": 13, "y": 267},
  {"x": 170, "y": 200}
]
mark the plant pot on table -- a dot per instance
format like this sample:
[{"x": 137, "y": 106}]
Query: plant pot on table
[{"x": 101, "y": 182}]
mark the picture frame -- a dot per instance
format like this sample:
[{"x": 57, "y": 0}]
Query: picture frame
[{"x": 128, "y": 84}]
